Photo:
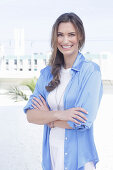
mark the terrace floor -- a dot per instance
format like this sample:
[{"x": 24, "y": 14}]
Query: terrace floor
[{"x": 21, "y": 142}]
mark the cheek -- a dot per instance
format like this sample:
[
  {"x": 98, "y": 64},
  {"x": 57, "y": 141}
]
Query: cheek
[
  {"x": 59, "y": 40},
  {"x": 58, "y": 45},
  {"x": 75, "y": 40}
]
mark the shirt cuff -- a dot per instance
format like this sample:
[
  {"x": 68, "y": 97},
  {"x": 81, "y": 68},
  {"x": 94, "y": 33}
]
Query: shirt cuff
[{"x": 82, "y": 126}]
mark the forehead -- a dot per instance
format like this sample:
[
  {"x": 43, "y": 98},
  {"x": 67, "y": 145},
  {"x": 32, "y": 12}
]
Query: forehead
[{"x": 66, "y": 27}]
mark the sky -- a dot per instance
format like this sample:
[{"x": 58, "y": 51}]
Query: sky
[{"x": 36, "y": 17}]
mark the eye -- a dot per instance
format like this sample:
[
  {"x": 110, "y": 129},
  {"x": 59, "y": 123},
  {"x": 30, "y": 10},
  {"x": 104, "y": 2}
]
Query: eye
[
  {"x": 59, "y": 35},
  {"x": 72, "y": 34}
]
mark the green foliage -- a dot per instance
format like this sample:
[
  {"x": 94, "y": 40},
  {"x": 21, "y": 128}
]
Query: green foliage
[
  {"x": 16, "y": 92},
  {"x": 30, "y": 84}
]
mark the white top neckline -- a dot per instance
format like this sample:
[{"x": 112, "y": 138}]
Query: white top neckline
[{"x": 63, "y": 70}]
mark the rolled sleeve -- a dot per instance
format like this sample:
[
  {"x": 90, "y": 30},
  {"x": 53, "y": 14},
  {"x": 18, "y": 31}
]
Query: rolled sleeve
[
  {"x": 38, "y": 91},
  {"x": 89, "y": 98}
]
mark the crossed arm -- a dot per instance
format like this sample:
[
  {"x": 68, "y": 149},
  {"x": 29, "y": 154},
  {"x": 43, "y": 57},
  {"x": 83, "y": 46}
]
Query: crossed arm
[{"x": 42, "y": 115}]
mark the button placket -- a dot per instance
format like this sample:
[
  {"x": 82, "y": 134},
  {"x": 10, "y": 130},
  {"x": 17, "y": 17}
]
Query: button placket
[
  {"x": 65, "y": 138},
  {"x": 65, "y": 153}
]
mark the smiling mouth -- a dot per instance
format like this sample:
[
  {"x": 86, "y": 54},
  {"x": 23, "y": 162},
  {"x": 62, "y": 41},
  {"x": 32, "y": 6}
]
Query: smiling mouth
[{"x": 66, "y": 46}]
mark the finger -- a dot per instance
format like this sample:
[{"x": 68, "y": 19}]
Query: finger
[
  {"x": 75, "y": 121},
  {"x": 38, "y": 100},
  {"x": 81, "y": 115},
  {"x": 35, "y": 107},
  {"x": 37, "y": 104},
  {"x": 79, "y": 118},
  {"x": 35, "y": 98},
  {"x": 81, "y": 109},
  {"x": 44, "y": 102}
]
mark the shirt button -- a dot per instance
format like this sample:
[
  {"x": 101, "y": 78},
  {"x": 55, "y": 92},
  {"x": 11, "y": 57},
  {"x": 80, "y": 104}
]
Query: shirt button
[
  {"x": 65, "y": 138},
  {"x": 65, "y": 168},
  {"x": 65, "y": 153}
]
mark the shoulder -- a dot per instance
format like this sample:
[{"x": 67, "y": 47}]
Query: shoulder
[
  {"x": 90, "y": 66},
  {"x": 89, "y": 69},
  {"x": 46, "y": 71}
]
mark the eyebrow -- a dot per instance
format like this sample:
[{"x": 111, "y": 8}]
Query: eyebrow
[{"x": 69, "y": 32}]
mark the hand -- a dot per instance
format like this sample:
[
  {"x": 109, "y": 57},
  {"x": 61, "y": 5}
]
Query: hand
[
  {"x": 51, "y": 124},
  {"x": 40, "y": 104},
  {"x": 73, "y": 114}
]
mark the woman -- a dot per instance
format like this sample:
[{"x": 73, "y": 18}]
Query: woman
[{"x": 66, "y": 99}]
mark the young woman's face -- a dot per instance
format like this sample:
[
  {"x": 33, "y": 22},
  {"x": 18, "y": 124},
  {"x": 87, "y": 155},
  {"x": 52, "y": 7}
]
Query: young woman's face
[{"x": 67, "y": 39}]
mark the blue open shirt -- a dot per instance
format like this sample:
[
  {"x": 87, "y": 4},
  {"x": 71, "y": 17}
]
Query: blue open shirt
[{"x": 83, "y": 90}]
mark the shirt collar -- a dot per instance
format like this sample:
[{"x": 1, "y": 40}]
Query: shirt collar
[{"x": 78, "y": 62}]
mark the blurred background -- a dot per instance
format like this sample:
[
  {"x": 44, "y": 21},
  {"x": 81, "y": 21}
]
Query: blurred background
[{"x": 25, "y": 34}]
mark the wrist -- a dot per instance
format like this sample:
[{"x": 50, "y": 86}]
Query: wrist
[{"x": 57, "y": 114}]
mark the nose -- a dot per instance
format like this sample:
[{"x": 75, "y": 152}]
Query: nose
[{"x": 65, "y": 39}]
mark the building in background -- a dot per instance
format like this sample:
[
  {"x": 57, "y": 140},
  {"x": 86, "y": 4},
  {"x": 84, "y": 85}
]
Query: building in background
[
  {"x": 19, "y": 47},
  {"x": 30, "y": 65},
  {"x": 16, "y": 62},
  {"x": 105, "y": 61},
  {"x": 21, "y": 60},
  {"x": 19, "y": 40}
]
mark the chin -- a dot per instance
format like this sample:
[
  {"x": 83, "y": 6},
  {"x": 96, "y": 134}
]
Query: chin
[{"x": 67, "y": 53}]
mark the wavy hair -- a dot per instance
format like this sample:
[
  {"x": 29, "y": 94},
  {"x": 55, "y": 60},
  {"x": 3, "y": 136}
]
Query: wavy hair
[{"x": 57, "y": 59}]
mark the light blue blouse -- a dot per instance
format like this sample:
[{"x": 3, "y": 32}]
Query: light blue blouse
[{"x": 84, "y": 90}]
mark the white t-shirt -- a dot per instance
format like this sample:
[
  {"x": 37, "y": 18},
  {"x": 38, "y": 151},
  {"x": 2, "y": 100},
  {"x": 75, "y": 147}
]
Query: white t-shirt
[{"x": 56, "y": 138}]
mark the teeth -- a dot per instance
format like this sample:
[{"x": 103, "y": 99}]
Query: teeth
[{"x": 69, "y": 46}]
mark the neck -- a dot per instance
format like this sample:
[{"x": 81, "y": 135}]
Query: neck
[{"x": 69, "y": 61}]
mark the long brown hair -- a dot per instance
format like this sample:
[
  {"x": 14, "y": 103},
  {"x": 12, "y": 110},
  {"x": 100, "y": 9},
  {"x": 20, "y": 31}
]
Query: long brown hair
[{"x": 57, "y": 59}]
